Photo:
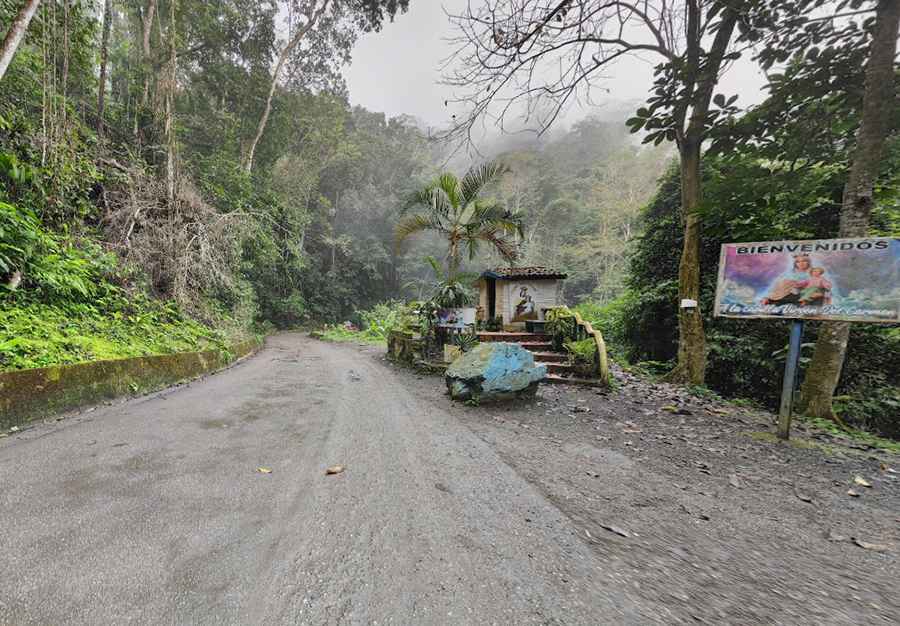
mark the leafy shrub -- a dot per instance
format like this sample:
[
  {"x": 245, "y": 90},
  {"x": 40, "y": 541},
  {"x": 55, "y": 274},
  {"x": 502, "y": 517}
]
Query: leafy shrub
[
  {"x": 582, "y": 354},
  {"x": 465, "y": 341},
  {"x": 287, "y": 311},
  {"x": 55, "y": 268},
  {"x": 380, "y": 320},
  {"x": 560, "y": 325},
  {"x": 493, "y": 325},
  {"x": 20, "y": 237},
  {"x": 453, "y": 294}
]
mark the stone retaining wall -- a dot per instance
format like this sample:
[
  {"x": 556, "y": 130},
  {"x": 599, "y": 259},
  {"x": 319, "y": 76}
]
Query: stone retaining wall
[
  {"x": 405, "y": 347},
  {"x": 43, "y": 392}
]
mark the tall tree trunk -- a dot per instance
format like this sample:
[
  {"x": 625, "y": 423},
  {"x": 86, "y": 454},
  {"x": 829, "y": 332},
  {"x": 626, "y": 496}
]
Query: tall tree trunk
[
  {"x": 16, "y": 34},
  {"x": 147, "y": 23},
  {"x": 691, "y": 366},
  {"x": 312, "y": 17},
  {"x": 104, "y": 60},
  {"x": 879, "y": 102},
  {"x": 65, "y": 69},
  {"x": 170, "y": 106}
]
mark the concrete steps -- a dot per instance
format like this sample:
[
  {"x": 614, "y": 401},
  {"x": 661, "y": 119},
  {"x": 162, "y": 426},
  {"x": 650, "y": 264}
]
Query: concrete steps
[
  {"x": 558, "y": 369},
  {"x": 535, "y": 346},
  {"x": 550, "y": 357},
  {"x": 538, "y": 344},
  {"x": 514, "y": 337},
  {"x": 555, "y": 367}
]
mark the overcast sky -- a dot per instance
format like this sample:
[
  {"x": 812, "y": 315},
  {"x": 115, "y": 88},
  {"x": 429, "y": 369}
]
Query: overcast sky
[{"x": 398, "y": 70}]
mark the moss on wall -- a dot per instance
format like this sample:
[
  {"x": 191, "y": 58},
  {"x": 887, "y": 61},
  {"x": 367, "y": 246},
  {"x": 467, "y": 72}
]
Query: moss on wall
[{"x": 37, "y": 393}]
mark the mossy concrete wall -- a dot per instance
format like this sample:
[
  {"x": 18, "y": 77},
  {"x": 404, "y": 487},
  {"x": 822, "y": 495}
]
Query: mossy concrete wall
[
  {"x": 43, "y": 392},
  {"x": 405, "y": 347}
]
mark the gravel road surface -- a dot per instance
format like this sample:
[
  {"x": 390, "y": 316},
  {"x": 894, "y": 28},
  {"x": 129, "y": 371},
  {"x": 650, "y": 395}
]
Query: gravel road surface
[{"x": 154, "y": 511}]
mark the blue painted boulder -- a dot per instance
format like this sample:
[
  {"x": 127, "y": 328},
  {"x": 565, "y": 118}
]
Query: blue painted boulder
[{"x": 494, "y": 371}]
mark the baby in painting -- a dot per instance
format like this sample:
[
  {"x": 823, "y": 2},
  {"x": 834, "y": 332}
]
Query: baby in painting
[{"x": 818, "y": 288}]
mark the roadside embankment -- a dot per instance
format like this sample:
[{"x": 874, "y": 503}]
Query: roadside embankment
[{"x": 31, "y": 394}]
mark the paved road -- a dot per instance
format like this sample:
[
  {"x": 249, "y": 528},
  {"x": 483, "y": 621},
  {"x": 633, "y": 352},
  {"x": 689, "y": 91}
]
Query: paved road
[{"x": 152, "y": 511}]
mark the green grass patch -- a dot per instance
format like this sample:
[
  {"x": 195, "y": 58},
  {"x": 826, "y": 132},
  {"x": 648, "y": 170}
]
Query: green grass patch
[
  {"x": 340, "y": 334},
  {"x": 854, "y": 434},
  {"x": 35, "y": 334}
]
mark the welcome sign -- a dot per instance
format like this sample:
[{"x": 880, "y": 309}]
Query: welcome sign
[{"x": 855, "y": 280}]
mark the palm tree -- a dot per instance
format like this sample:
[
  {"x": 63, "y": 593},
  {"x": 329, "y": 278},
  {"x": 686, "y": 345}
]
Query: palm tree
[{"x": 450, "y": 207}]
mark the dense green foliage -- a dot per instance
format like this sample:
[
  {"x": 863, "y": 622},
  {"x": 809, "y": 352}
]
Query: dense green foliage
[
  {"x": 374, "y": 324},
  {"x": 748, "y": 200},
  {"x": 37, "y": 335},
  {"x": 90, "y": 232}
]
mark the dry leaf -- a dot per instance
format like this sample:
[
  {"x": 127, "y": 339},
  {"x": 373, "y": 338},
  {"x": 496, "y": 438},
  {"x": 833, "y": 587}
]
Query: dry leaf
[
  {"x": 264, "y": 470},
  {"x": 875, "y": 547},
  {"x": 334, "y": 469},
  {"x": 615, "y": 529},
  {"x": 862, "y": 482},
  {"x": 852, "y": 493},
  {"x": 802, "y": 496}
]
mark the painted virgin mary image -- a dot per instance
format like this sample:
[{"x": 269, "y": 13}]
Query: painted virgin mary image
[
  {"x": 803, "y": 285},
  {"x": 525, "y": 309}
]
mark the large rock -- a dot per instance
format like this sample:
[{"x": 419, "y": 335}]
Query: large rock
[{"x": 494, "y": 371}]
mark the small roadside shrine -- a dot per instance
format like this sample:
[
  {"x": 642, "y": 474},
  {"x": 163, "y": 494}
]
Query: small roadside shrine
[{"x": 515, "y": 295}]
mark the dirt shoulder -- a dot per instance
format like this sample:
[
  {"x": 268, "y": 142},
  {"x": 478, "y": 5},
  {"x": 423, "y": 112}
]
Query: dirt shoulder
[{"x": 693, "y": 505}]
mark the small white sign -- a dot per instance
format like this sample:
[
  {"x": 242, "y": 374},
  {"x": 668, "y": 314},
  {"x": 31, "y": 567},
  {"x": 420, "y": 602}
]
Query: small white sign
[{"x": 688, "y": 304}]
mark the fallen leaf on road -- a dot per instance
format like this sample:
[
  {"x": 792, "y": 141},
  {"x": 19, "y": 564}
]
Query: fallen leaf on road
[
  {"x": 734, "y": 481},
  {"x": 615, "y": 529},
  {"x": 852, "y": 493},
  {"x": 875, "y": 547},
  {"x": 671, "y": 408},
  {"x": 264, "y": 470},
  {"x": 334, "y": 469},
  {"x": 802, "y": 496},
  {"x": 862, "y": 482}
]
